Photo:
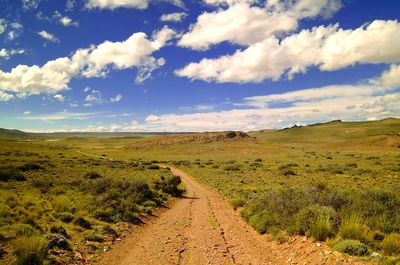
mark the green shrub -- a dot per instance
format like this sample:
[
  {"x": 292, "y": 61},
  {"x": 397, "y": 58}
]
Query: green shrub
[
  {"x": 30, "y": 250},
  {"x": 44, "y": 184},
  {"x": 288, "y": 172},
  {"x": 262, "y": 221},
  {"x": 82, "y": 222},
  {"x": 232, "y": 168},
  {"x": 94, "y": 237},
  {"x": 62, "y": 204},
  {"x": 169, "y": 185},
  {"x": 352, "y": 247},
  {"x": 130, "y": 216},
  {"x": 30, "y": 166},
  {"x": 108, "y": 229},
  {"x": 11, "y": 174},
  {"x": 391, "y": 244},
  {"x": 66, "y": 217},
  {"x": 93, "y": 175},
  {"x": 154, "y": 167},
  {"x": 22, "y": 229},
  {"x": 281, "y": 238},
  {"x": 391, "y": 260},
  {"x": 377, "y": 235},
  {"x": 322, "y": 229},
  {"x": 236, "y": 202},
  {"x": 105, "y": 214},
  {"x": 306, "y": 218}
]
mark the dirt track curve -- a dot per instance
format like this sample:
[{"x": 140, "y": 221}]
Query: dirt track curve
[{"x": 203, "y": 229}]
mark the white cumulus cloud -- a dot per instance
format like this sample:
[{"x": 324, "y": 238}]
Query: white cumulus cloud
[
  {"x": 113, "y": 4},
  {"x": 5, "y": 96},
  {"x": 245, "y": 24},
  {"x": 3, "y": 25},
  {"x": 6, "y": 54},
  {"x": 59, "y": 97},
  {"x": 272, "y": 58},
  {"x": 95, "y": 61},
  {"x": 48, "y": 36},
  {"x": 174, "y": 17},
  {"x": 117, "y": 98},
  {"x": 391, "y": 76},
  {"x": 152, "y": 118}
]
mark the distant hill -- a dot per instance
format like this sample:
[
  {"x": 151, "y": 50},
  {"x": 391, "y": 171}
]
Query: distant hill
[
  {"x": 12, "y": 134},
  {"x": 203, "y": 138},
  {"x": 384, "y": 133}
]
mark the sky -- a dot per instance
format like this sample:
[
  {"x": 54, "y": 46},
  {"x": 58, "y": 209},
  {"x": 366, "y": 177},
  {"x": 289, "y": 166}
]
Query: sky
[{"x": 197, "y": 65}]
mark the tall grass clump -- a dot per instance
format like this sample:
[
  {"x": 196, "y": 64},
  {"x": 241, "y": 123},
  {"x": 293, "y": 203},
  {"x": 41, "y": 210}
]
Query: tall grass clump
[
  {"x": 30, "y": 249},
  {"x": 391, "y": 244},
  {"x": 322, "y": 229},
  {"x": 353, "y": 228}
]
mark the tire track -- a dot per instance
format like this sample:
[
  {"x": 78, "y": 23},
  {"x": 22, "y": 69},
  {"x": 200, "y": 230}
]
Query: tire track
[{"x": 185, "y": 235}]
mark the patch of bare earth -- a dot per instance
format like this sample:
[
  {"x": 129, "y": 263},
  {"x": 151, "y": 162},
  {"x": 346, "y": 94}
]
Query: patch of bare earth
[{"x": 203, "y": 229}]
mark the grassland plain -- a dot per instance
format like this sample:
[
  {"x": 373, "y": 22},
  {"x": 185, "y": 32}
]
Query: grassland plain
[
  {"x": 54, "y": 199},
  {"x": 336, "y": 182}
]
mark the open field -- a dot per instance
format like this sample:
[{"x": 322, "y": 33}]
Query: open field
[
  {"x": 84, "y": 202},
  {"x": 336, "y": 182}
]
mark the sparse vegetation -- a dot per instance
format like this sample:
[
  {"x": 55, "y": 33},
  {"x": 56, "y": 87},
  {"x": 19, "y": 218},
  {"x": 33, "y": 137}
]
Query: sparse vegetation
[{"x": 326, "y": 184}]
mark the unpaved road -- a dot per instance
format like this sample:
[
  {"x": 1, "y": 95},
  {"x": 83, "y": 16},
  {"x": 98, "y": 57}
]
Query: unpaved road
[{"x": 203, "y": 229}]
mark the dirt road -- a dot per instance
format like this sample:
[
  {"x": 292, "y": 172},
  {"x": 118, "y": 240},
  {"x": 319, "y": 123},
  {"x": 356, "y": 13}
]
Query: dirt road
[{"x": 203, "y": 229}]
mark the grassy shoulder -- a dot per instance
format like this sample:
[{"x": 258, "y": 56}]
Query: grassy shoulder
[
  {"x": 57, "y": 205},
  {"x": 349, "y": 199}
]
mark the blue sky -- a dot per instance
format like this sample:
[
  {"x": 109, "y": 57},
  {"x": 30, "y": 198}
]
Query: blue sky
[{"x": 174, "y": 65}]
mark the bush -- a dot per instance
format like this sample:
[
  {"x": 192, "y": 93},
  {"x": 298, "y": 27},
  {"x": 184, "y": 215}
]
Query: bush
[
  {"x": 44, "y": 184},
  {"x": 230, "y": 134},
  {"x": 306, "y": 218},
  {"x": 30, "y": 166},
  {"x": 66, "y": 217},
  {"x": 352, "y": 247},
  {"x": 108, "y": 229},
  {"x": 130, "y": 216},
  {"x": 154, "y": 167},
  {"x": 391, "y": 244},
  {"x": 11, "y": 174},
  {"x": 82, "y": 222},
  {"x": 281, "y": 238},
  {"x": 30, "y": 250},
  {"x": 377, "y": 235},
  {"x": 322, "y": 229},
  {"x": 94, "y": 237},
  {"x": 105, "y": 214},
  {"x": 62, "y": 204},
  {"x": 288, "y": 172},
  {"x": 93, "y": 175},
  {"x": 232, "y": 168},
  {"x": 262, "y": 221},
  {"x": 236, "y": 202},
  {"x": 169, "y": 185},
  {"x": 22, "y": 229}
]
